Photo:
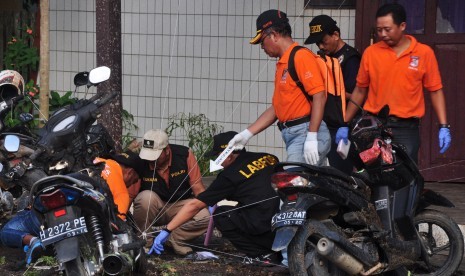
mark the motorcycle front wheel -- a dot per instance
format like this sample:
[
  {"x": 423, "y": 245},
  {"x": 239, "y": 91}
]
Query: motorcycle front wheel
[
  {"x": 443, "y": 241},
  {"x": 303, "y": 258}
]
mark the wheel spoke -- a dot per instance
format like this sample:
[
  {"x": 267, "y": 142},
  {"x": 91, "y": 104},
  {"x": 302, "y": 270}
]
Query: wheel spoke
[{"x": 440, "y": 248}]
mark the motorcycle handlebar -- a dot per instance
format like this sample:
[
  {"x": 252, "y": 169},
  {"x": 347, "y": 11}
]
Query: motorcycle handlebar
[{"x": 105, "y": 98}]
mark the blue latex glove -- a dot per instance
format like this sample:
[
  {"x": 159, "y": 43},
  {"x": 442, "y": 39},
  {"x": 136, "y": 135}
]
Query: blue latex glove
[
  {"x": 342, "y": 134},
  {"x": 444, "y": 139},
  {"x": 211, "y": 209},
  {"x": 157, "y": 245},
  {"x": 33, "y": 250}
]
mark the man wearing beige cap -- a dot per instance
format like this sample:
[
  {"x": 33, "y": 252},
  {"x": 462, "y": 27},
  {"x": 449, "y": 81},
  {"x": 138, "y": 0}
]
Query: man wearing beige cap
[{"x": 170, "y": 177}]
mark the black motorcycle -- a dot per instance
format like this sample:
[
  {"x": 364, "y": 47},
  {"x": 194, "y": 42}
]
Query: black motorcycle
[
  {"x": 80, "y": 219},
  {"x": 368, "y": 223}
]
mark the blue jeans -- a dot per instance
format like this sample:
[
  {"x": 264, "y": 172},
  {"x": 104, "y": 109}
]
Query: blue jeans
[
  {"x": 294, "y": 138},
  {"x": 23, "y": 223}
]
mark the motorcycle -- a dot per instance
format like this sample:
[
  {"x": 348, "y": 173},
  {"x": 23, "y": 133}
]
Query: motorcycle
[
  {"x": 370, "y": 222},
  {"x": 79, "y": 217}
]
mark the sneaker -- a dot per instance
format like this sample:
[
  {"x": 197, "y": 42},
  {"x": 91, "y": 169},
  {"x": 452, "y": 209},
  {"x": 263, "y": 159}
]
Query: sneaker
[
  {"x": 271, "y": 259},
  {"x": 33, "y": 251}
]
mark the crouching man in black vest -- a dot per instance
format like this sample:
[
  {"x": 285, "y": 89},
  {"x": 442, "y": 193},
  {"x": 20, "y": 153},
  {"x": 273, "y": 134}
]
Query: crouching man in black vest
[
  {"x": 246, "y": 178},
  {"x": 170, "y": 177}
]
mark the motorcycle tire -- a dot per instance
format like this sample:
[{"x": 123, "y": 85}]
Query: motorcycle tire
[
  {"x": 303, "y": 258},
  {"x": 141, "y": 263},
  {"x": 438, "y": 222}
]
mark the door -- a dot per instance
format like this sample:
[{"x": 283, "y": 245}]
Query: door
[{"x": 441, "y": 25}]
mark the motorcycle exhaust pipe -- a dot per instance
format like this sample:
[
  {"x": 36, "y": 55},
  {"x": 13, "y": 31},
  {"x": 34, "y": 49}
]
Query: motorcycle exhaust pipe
[
  {"x": 339, "y": 257},
  {"x": 115, "y": 264}
]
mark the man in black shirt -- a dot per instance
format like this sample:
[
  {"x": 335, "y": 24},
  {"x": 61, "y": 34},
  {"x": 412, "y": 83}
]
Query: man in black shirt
[
  {"x": 246, "y": 178},
  {"x": 327, "y": 36}
]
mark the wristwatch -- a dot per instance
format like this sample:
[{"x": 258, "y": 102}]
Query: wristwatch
[{"x": 444, "y": 125}]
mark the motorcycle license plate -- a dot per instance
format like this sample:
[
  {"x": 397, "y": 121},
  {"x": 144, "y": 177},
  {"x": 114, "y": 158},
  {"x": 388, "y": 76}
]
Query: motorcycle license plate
[
  {"x": 288, "y": 218},
  {"x": 63, "y": 230}
]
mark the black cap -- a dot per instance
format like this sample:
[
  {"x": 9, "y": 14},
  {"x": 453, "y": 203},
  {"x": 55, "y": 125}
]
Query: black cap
[
  {"x": 220, "y": 142},
  {"x": 319, "y": 27},
  {"x": 266, "y": 20},
  {"x": 129, "y": 159}
]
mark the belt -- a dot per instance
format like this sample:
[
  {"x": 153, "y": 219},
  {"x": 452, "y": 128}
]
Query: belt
[
  {"x": 291, "y": 123},
  {"x": 395, "y": 119}
]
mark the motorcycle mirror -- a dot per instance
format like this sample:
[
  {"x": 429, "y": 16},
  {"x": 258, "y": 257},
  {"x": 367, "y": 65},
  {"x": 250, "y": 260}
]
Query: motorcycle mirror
[
  {"x": 98, "y": 75},
  {"x": 26, "y": 117},
  {"x": 81, "y": 78},
  {"x": 11, "y": 143}
]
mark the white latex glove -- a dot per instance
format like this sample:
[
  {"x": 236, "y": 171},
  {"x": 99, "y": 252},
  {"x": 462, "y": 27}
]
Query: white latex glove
[
  {"x": 240, "y": 139},
  {"x": 311, "y": 148}
]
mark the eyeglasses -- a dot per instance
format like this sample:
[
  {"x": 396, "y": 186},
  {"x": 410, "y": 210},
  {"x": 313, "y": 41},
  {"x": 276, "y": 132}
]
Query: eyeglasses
[{"x": 263, "y": 39}]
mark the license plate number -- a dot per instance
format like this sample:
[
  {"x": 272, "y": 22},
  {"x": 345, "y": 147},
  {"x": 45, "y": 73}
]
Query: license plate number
[
  {"x": 62, "y": 231},
  {"x": 288, "y": 218}
]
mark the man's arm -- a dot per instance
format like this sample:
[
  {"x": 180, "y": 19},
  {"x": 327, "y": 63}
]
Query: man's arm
[
  {"x": 187, "y": 212},
  {"x": 265, "y": 120},
  {"x": 195, "y": 177},
  {"x": 358, "y": 96},
  {"x": 318, "y": 108},
  {"x": 439, "y": 105}
]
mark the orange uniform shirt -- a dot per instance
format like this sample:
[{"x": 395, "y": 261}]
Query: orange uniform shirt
[
  {"x": 113, "y": 175},
  {"x": 288, "y": 100},
  {"x": 398, "y": 81}
]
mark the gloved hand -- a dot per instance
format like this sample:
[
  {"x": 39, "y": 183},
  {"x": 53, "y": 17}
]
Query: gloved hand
[
  {"x": 342, "y": 134},
  {"x": 211, "y": 209},
  {"x": 444, "y": 139},
  {"x": 33, "y": 250},
  {"x": 240, "y": 139},
  {"x": 311, "y": 148},
  {"x": 157, "y": 245}
]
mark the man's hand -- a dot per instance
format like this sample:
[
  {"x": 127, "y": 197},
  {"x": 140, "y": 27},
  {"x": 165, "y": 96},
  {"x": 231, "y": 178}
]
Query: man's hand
[
  {"x": 211, "y": 209},
  {"x": 311, "y": 148},
  {"x": 157, "y": 245},
  {"x": 444, "y": 139},
  {"x": 342, "y": 134},
  {"x": 240, "y": 139}
]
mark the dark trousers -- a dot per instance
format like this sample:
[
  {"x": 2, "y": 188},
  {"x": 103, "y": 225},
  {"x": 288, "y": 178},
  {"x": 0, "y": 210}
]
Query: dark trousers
[
  {"x": 251, "y": 244},
  {"x": 406, "y": 132},
  {"x": 335, "y": 159}
]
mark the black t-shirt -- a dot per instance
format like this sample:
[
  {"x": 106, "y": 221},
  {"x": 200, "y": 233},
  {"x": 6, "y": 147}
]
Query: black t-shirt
[
  {"x": 349, "y": 58},
  {"x": 247, "y": 181}
]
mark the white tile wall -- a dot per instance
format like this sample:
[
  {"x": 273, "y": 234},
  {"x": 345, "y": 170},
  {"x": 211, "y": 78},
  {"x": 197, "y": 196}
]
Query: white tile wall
[{"x": 194, "y": 57}]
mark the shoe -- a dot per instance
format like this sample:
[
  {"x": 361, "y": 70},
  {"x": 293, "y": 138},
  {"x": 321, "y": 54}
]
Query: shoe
[
  {"x": 34, "y": 251},
  {"x": 271, "y": 259},
  {"x": 200, "y": 256}
]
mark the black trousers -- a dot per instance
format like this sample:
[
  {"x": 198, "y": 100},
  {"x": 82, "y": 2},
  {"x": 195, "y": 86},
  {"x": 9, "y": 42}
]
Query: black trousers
[
  {"x": 407, "y": 133},
  {"x": 252, "y": 244}
]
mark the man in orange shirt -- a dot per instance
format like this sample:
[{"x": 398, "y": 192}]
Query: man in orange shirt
[
  {"x": 393, "y": 72},
  {"x": 306, "y": 136}
]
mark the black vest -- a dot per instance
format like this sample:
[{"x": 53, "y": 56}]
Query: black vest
[
  {"x": 345, "y": 54},
  {"x": 251, "y": 174},
  {"x": 178, "y": 186}
]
